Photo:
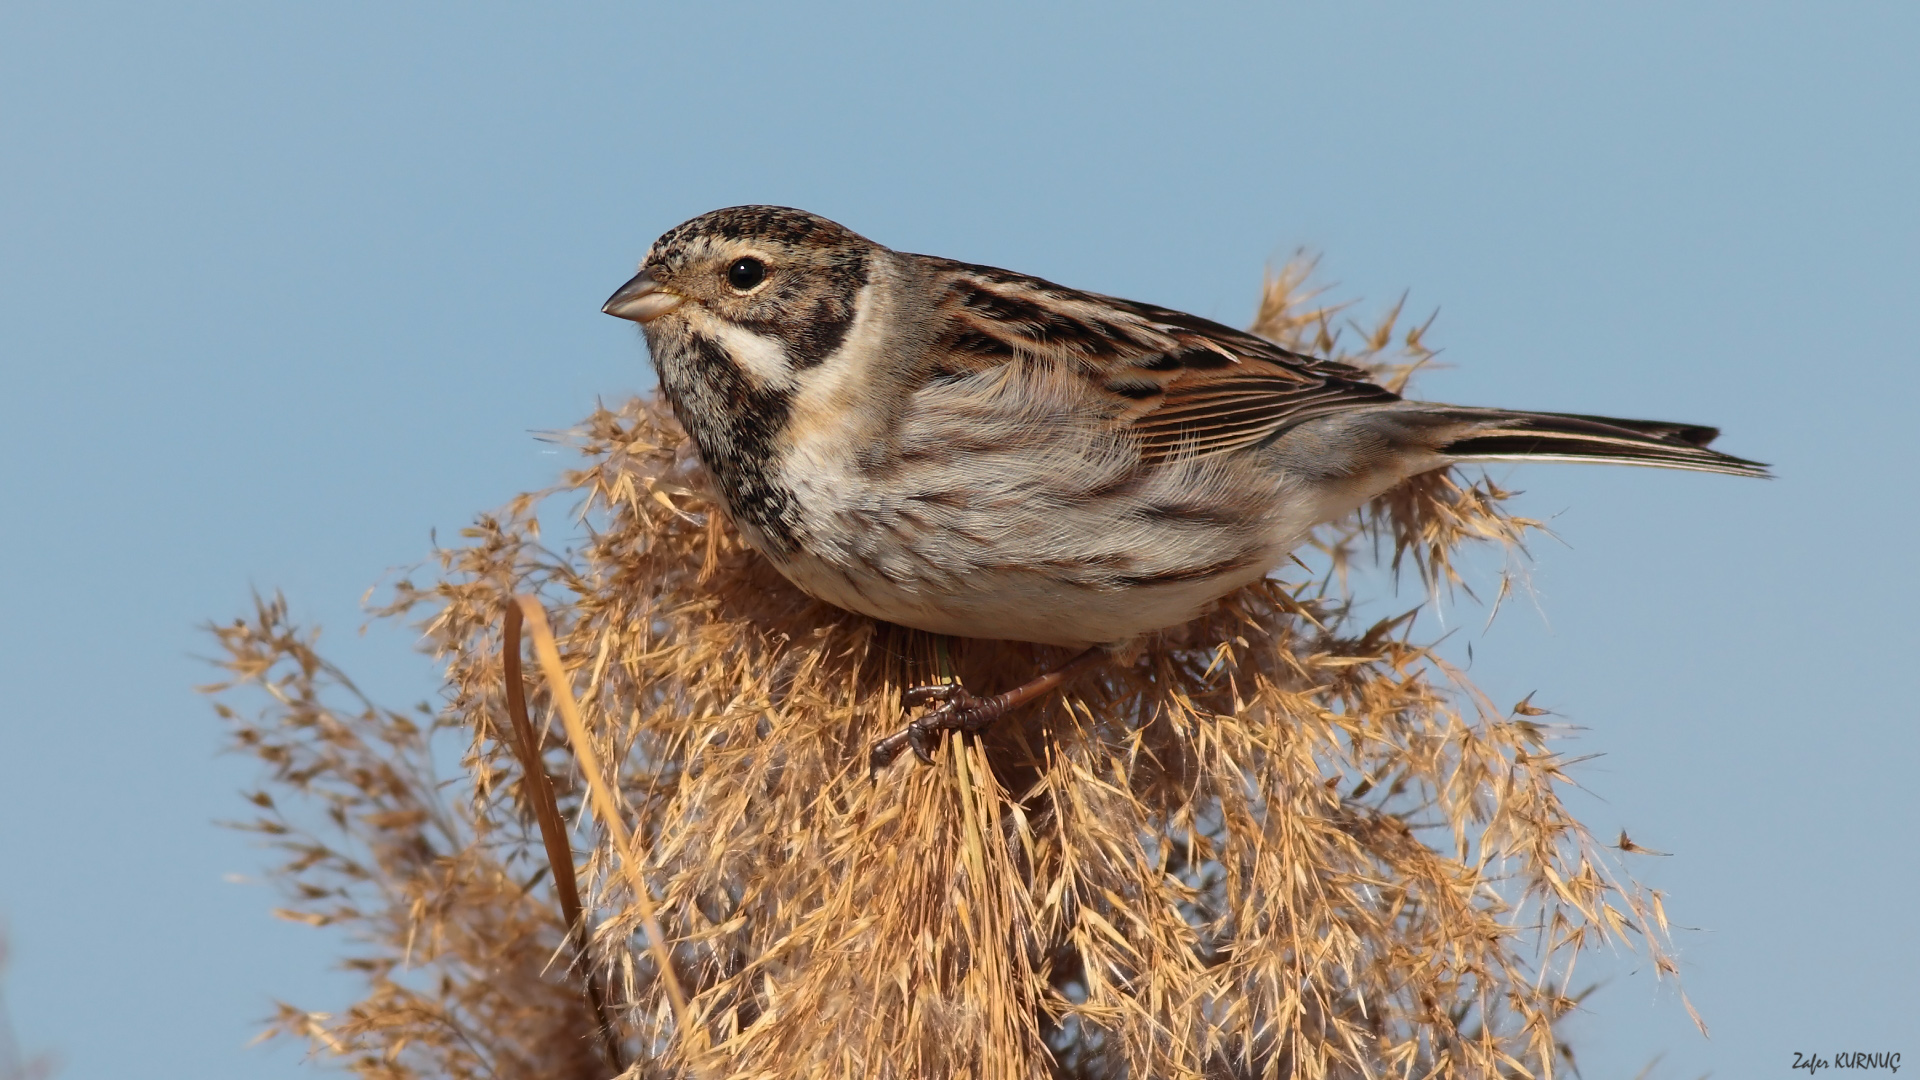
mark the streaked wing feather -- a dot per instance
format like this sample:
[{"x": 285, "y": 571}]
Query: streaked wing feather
[{"x": 1180, "y": 383}]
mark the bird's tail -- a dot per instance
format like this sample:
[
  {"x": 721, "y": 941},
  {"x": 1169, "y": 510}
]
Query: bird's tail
[{"x": 1498, "y": 435}]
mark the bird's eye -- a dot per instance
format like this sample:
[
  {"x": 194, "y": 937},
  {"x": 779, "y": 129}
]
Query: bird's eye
[{"x": 744, "y": 274}]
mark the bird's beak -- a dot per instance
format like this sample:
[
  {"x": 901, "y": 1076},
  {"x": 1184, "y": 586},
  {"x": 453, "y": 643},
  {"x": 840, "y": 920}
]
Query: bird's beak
[{"x": 641, "y": 300}]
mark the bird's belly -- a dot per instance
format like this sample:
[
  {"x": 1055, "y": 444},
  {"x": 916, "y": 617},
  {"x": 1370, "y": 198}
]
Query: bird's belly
[
  {"x": 978, "y": 530},
  {"x": 1015, "y": 604},
  {"x": 1054, "y": 571}
]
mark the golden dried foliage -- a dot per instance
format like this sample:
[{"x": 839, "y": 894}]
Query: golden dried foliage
[{"x": 1274, "y": 843}]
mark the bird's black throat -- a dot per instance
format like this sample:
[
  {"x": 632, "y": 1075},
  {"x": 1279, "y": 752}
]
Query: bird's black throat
[{"x": 735, "y": 425}]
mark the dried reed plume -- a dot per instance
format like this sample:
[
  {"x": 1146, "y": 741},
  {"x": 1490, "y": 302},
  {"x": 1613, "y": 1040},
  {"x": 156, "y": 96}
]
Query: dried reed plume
[{"x": 1273, "y": 843}]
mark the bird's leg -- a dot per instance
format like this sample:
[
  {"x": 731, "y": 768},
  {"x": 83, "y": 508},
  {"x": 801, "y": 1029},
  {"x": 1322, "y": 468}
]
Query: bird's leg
[{"x": 960, "y": 710}]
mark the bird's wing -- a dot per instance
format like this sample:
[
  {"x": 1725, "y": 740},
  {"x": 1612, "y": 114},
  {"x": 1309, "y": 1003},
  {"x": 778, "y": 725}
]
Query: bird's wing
[{"x": 1178, "y": 383}]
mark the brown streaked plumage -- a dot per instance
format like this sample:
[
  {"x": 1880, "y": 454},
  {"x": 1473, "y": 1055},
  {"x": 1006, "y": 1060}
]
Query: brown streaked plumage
[{"x": 973, "y": 451}]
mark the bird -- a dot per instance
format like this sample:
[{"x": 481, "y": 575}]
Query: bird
[{"x": 977, "y": 452}]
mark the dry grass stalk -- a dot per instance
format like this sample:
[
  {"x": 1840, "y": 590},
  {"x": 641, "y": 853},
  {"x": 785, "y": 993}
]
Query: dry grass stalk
[
  {"x": 546, "y": 813},
  {"x": 606, "y": 802},
  {"x": 1272, "y": 843}
]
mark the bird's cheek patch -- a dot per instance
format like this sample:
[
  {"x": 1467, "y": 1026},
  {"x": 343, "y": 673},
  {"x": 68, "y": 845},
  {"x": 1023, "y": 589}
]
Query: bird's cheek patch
[{"x": 762, "y": 359}]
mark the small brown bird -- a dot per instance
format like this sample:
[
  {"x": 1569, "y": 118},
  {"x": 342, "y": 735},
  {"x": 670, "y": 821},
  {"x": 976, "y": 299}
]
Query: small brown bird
[{"x": 972, "y": 451}]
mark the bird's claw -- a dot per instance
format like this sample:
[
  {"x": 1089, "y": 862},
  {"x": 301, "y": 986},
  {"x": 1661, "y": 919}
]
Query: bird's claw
[
  {"x": 957, "y": 710},
  {"x": 927, "y": 695}
]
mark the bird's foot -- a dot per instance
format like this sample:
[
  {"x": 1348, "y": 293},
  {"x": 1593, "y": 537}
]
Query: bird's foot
[{"x": 956, "y": 709}]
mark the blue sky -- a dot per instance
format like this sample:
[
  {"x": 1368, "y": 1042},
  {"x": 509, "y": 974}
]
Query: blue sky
[{"x": 285, "y": 287}]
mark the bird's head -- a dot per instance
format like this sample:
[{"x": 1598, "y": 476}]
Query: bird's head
[{"x": 775, "y": 289}]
